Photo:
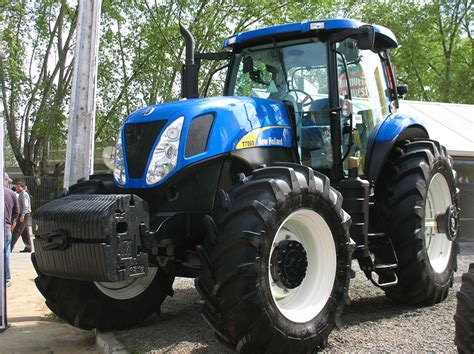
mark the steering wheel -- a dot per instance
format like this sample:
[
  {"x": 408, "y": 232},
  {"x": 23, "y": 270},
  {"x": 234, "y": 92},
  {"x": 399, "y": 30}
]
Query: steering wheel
[{"x": 304, "y": 103}]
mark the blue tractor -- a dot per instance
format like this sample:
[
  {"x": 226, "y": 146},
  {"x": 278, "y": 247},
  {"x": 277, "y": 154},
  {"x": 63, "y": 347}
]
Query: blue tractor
[{"x": 264, "y": 195}]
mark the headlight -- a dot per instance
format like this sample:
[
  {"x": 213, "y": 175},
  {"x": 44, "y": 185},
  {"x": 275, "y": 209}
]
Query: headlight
[
  {"x": 165, "y": 156},
  {"x": 119, "y": 165}
]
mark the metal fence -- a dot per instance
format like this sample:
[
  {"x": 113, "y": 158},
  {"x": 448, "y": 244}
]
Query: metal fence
[{"x": 42, "y": 189}]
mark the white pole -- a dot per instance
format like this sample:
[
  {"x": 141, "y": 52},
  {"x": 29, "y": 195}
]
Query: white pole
[{"x": 81, "y": 128}]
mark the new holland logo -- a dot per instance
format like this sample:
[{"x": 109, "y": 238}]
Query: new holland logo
[
  {"x": 148, "y": 111},
  {"x": 254, "y": 137}
]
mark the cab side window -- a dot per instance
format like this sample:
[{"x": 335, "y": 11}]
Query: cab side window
[{"x": 369, "y": 90}]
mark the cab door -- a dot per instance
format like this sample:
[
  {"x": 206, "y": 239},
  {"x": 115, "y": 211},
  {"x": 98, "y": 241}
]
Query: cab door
[{"x": 370, "y": 96}]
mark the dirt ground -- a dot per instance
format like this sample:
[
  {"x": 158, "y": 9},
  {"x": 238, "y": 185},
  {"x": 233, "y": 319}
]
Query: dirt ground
[
  {"x": 371, "y": 323},
  {"x": 33, "y": 328}
]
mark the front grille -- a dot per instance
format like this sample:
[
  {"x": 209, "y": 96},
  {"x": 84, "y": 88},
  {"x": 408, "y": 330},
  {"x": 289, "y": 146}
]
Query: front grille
[{"x": 139, "y": 139}]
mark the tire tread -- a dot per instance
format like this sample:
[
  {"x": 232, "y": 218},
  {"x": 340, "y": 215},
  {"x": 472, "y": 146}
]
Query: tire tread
[
  {"x": 400, "y": 197},
  {"x": 243, "y": 322}
]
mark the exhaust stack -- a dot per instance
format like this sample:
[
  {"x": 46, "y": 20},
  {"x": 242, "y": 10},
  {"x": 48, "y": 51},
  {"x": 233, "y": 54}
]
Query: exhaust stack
[{"x": 189, "y": 72}]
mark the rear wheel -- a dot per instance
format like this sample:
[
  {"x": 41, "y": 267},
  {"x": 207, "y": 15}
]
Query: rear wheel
[
  {"x": 464, "y": 317},
  {"x": 418, "y": 197},
  {"x": 104, "y": 305},
  {"x": 276, "y": 275}
]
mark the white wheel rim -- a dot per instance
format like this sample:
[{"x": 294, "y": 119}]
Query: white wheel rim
[
  {"x": 438, "y": 246},
  {"x": 306, "y": 301},
  {"x": 127, "y": 289}
]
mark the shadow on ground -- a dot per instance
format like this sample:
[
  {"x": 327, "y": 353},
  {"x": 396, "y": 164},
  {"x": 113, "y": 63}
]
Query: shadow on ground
[{"x": 373, "y": 309}]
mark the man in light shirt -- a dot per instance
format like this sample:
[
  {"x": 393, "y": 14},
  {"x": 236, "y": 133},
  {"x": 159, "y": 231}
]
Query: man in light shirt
[{"x": 22, "y": 222}]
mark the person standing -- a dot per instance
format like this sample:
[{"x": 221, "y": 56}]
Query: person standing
[
  {"x": 11, "y": 213},
  {"x": 22, "y": 222}
]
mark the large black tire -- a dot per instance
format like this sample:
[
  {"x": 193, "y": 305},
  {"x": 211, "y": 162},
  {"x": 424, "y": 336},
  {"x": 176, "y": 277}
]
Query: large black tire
[
  {"x": 83, "y": 304},
  {"x": 464, "y": 317},
  {"x": 402, "y": 195},
  {"x": 235, "y": 282}
]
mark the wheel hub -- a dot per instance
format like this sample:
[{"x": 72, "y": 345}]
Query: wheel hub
[
  {"x": 447, "y": 222},
  {"x": 302, "y": 265},
  {"x": 289, "y": 264}
]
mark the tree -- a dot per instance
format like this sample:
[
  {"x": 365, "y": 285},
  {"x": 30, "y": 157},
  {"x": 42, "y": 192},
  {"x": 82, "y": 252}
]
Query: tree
[
  {"x": 35, "y": 78},
  {"x": 141, "y": 52},
  {"x": 139, "y": 61},
  {"x": 436, "y": 48}
]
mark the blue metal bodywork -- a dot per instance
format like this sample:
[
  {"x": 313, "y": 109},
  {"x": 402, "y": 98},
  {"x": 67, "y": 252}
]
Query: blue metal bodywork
[
  {"x": 240, "y": 122},
  {"x": 393, "y": 125},
  {"x": 245, "y": 122},
  {"x": 382, "y": 34},
  {"x": 384, "y": 136}
]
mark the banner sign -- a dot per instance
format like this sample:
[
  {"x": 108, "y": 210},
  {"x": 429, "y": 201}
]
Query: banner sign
[{"x": 357, "y": 82}]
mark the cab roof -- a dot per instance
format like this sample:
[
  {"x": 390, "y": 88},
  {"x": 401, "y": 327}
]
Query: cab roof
[{"x": 384, "y": 38}]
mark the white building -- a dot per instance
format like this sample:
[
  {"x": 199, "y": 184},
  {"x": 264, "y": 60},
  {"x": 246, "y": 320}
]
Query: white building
[{"x": 453, "y": 126}]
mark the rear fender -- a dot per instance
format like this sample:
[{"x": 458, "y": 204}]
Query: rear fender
[{"x": 396, "y": 127}]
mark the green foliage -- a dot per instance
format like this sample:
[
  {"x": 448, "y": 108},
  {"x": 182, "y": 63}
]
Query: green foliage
[
  {"x": 436, "y": 51},
  {"x": 35, "y": 78},
  {"x": 141, "y": 52},
  {"x": 140, "y": 63}
]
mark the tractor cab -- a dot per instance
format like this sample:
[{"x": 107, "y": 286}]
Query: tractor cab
[
  {"x": 336, "y": 81},
  {"x": 334, "y": 76}
]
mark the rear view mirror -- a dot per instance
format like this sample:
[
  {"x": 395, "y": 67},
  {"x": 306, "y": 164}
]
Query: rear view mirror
[
  {"x": 247, "y": 65},
  {"x": 402, "y": 90},
  {"x": 366, "y": 38},
  {"x": 349, "y": 50},
  {"x": 364, "y": 34}
]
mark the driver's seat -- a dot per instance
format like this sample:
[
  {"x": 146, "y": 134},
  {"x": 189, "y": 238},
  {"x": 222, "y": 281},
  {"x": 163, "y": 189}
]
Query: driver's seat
[{"x": 319, "y": 113}]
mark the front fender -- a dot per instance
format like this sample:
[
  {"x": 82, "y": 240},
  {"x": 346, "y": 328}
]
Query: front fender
[{"x": 396, "y": 127}]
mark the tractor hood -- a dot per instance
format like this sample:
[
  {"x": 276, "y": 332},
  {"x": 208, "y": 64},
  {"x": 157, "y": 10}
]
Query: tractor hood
[{"x": 199, "y": 129}]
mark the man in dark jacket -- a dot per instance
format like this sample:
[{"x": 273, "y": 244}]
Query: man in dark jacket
[
  {"x": 11, "y": 213},
  {"x": 22, "y": 227}
]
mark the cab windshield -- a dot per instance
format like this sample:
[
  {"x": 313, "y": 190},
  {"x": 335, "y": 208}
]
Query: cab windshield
[{"x": 295, "y": 72}]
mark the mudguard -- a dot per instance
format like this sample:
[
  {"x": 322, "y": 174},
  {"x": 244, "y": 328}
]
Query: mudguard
[{"x": 395, "y": 127}]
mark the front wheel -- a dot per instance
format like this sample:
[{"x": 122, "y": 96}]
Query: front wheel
[
  {"x": 276, "y": 276},
  {"x": 103, "y": 305}
]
